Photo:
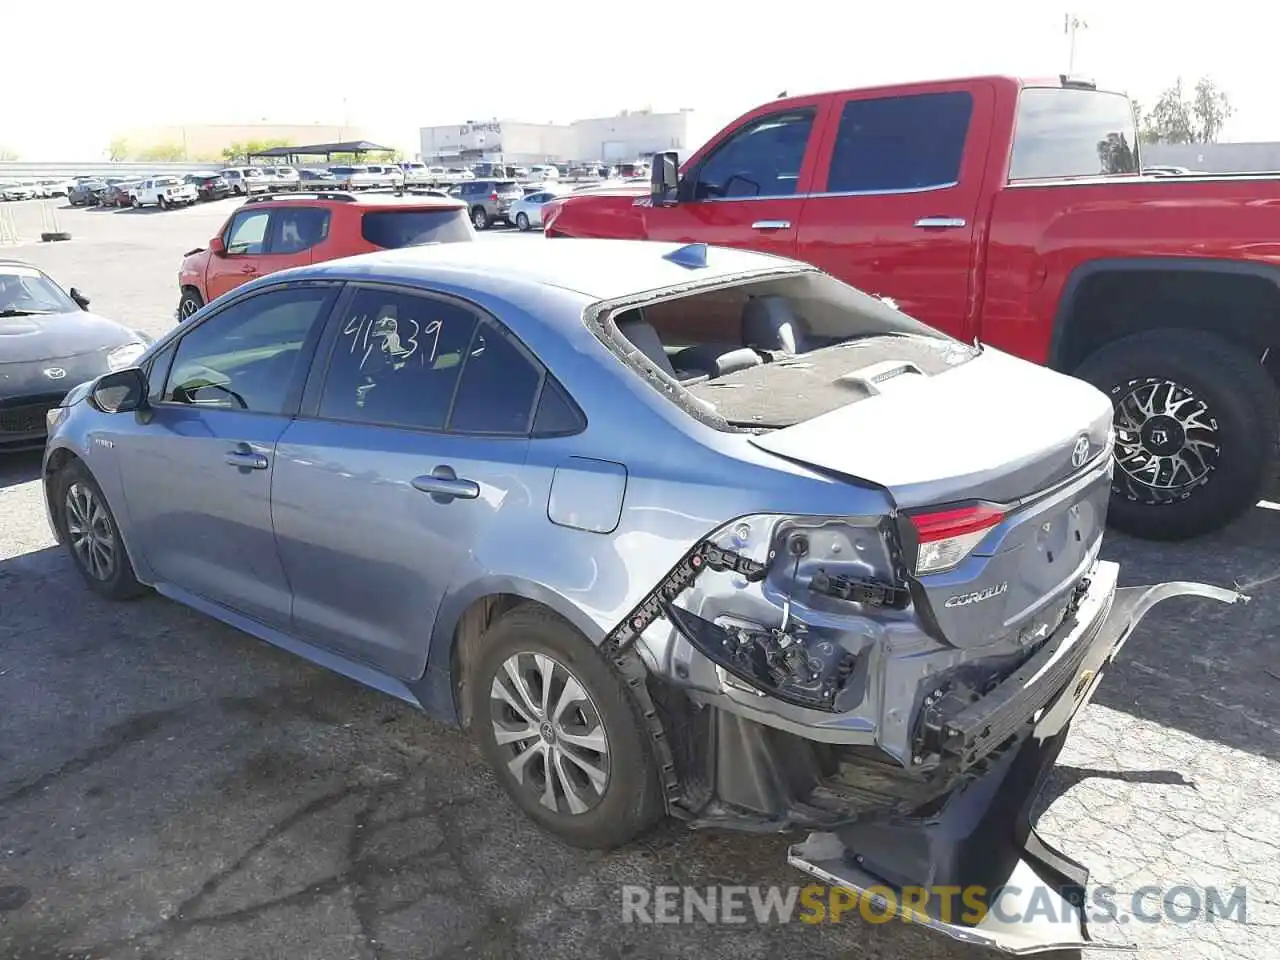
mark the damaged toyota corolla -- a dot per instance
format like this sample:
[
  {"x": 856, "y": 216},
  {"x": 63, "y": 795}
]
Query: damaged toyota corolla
[{"x": 671, "y": 529}]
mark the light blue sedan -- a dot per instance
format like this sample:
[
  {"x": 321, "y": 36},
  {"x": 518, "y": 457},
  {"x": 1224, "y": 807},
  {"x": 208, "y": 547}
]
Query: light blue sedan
[{"x": 670, "y": 529}]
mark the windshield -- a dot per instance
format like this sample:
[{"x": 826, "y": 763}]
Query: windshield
[
  {"x": 407, "y": 228},
  {"x": 166, "y": 181},
  {"x": 26, "y": 290},
  {"x": 253, "y": 173},
  {"x": 1066, "y": 132}
]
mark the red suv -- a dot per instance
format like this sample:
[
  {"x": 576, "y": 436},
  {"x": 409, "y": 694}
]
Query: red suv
[{"x": 273, "y": 233}]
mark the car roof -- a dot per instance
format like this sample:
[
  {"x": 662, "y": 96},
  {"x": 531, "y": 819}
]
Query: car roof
[
  {"x": 416, "y": 201},
  {"x": 599, "y": 269}
]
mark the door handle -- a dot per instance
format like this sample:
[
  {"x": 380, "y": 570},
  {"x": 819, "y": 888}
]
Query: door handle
[
  {"x": 771, "y": 225},
  {"x": 248, "y": 269},
  {"x": 246, "y": 459},
  {"x": 940, "y": 223},
  {"x": 444, "y": 485}
]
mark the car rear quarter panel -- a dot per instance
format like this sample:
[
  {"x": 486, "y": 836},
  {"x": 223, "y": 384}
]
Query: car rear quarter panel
[{"x": 1040, "y": 235}]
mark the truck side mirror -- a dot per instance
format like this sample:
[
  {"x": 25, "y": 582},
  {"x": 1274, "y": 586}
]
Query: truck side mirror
[{"x": 664, "y": 179}]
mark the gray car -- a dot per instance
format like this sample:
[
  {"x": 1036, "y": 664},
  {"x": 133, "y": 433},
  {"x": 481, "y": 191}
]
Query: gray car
[
  {"x": 490, "y": 201},
  {"x": 670, "y": 529},
  {"x": 49, "y": 342}
]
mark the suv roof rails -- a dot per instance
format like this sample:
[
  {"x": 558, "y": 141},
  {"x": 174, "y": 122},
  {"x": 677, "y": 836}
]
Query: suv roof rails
[{"x": 342, "y": 195}]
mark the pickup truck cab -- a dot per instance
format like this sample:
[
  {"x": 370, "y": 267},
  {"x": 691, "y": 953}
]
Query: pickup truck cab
[
  {"x": 1015, "y": 211},
  {"x": 164, "y": 192}
]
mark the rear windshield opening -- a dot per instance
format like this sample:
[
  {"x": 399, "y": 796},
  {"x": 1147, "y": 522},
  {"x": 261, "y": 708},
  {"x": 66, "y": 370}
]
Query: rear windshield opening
[
  {"x": 773, "y": 353},
  {"x": 1064, "y": 132},
  {"x": 391, "y": 229}
]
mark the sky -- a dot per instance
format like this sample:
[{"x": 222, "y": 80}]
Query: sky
[{"x": 66, "y": 92}]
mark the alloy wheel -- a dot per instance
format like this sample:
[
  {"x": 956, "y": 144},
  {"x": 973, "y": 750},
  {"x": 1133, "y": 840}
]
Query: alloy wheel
[
  {"x": 1167, "y": 441},
  {"x": 187, "y": 308},
  {"x": 545, "y": 721},
  {"x": 91, "y": 532}
]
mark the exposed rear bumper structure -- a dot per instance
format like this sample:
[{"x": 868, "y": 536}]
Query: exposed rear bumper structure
[{"x": 980, "y": 840}]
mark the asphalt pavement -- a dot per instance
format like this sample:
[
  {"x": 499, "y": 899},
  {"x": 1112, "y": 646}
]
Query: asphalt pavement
[{"x": 171, "y": 788}]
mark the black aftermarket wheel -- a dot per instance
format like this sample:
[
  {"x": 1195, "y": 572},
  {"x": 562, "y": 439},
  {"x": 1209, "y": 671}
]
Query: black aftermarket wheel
[
  {"x": 561, "y": 732},
  {"x": 1197, "y": 423}
]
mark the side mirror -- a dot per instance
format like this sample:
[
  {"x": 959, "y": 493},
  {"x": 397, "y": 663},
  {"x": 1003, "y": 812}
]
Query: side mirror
[
  {"x": 664, "y": 179},
  {"x": 81, "y": 300},
  {"x": 121, "y": 392},
  {"x": 217, "y": 247}
]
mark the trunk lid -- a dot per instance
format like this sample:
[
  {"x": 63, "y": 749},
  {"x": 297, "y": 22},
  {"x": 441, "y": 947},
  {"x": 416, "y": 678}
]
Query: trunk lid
[{"x": 991, "y": 429}]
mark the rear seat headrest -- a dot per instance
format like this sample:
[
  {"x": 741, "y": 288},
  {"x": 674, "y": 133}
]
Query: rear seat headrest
[{"x": 768, "y": 323}]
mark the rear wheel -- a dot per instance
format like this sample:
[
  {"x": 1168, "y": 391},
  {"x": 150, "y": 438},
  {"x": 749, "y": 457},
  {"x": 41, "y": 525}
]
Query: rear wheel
[
  {"x": 92, "y": 537},
  {"x": 561, "y": 732},
  {"x": 1197, "y": 422},
  {"x": 480, "y": 218}
]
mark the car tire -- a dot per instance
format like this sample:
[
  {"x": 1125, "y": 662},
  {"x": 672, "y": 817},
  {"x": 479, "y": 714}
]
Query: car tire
[
  {"x": 162, "y": 203},
  {"x": 136, "y": 203},
  {"x": 1222, "y": 426},
  {"x": 522, "y": 221},
  {"x": 189, "y": 303},
  {"x": 88, "y": 529},
  {"x": 623, "y": 798},
  {"x": 480, "y": 218},
  {"x": 54, "y": 236}
]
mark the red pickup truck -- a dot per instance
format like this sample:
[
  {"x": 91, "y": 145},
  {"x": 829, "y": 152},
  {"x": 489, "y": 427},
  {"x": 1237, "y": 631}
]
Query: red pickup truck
[{"x": 1015, "y": 211}]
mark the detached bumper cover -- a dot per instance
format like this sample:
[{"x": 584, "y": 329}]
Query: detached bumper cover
[{"x": 981, "y": 840}]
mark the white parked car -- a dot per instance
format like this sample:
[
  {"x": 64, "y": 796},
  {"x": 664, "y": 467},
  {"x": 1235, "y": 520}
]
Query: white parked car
[
  {"x": 354, "y": 177},
  {"x": 416, "y": 174},
  {"x": 281, "y": 178},
  {"x": 526, "y": 213},
  {"x": 19, "y": 190},
  {"x": 245, "y": 180},
  {"x": 387, "y": 174},
  {"x": 52, "y": 187},
  {"x": 164, "y": 192}
]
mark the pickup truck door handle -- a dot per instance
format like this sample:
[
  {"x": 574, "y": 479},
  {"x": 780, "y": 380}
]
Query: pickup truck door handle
[
  {"x": 771, "y": 225},
  {"x": 444, "y": 485},
  {"x": 940, "y": 223},
  {"x": 245, "y": 459},
  {"x": 250, "y": 268}
]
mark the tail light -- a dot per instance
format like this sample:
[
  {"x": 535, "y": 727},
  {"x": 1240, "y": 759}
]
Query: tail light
[
  {"x": 494, "y": 195},
  {"x": 946, "y": 537}
]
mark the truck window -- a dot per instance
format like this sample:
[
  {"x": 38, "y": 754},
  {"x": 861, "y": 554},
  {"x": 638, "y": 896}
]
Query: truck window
[
  {"x": 761, "y": 160},
  {"x": 1064, "y": 132},
  {"x": 900, "y": 143}
]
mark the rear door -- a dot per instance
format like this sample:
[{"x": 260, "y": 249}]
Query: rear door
[
  {"x": 897, "y": 195},
  {"x": 411, "y": 445},
  {"x": 748, "y": 190}
]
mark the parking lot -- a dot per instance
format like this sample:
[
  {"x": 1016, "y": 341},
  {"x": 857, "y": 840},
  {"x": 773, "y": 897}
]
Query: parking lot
[{"x": 170, "y": 788}]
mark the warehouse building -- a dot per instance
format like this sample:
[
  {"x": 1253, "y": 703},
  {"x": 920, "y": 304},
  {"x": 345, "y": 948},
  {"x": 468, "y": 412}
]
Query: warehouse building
[{"x": 627, "y": 136}]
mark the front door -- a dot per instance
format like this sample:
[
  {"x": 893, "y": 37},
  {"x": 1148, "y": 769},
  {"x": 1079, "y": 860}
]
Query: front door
[
  {"x": 747, "y": 191},
  {"x": 896, "y": 204},
  {"x": 198, "y": 474},
  {"x": 260, "y": 240},
  {"x": 412, "y": 449}
]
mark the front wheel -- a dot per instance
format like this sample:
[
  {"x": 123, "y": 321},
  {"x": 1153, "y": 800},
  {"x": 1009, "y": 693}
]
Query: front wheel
[
  {"x": 91, "y": 535},
  {"x": 563, "y": 735},
  {"x": 188, "y": 304},
  {"x": 1197, "y": 424},
  {"x": 163, "y": 204}
]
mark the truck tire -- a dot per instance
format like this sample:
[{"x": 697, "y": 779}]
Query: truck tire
[{"x": 1197, "y": 424}]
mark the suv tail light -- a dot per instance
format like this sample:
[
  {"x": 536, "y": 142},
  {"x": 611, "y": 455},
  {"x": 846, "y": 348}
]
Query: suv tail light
[
  {"x": 948, "y": 536},
  {"x": 494, "y": 195}
]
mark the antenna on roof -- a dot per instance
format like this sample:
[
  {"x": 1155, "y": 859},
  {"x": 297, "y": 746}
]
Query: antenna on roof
[{"x": 693, "y": 256}]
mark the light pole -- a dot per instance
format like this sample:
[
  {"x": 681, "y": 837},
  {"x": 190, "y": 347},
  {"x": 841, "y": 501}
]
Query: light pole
[{"x": 1072, "y": 24}]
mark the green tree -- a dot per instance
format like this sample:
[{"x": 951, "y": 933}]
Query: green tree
[
  {"x": 118, "y": 149},
  {"x": 1181, "y": 118},
  {"x": 162, "y": 153}
]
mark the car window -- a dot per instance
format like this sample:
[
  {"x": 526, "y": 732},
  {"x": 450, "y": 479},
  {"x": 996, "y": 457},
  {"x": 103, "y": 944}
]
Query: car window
[
  {"x": 557, "y": 414},
  {"x": 900, "y": 143},
  {"x": 498, "y": 387},
  {"x": 1063, "y": 132},
  {"x": 294, "y": 229},
  {"x": 245, "y": 356},
  {"x": 406, "y": 228},
  {"x": 761, "y": 160},
  {"x": 247, "y": 233},
  {"x": 396, "y": 360}
]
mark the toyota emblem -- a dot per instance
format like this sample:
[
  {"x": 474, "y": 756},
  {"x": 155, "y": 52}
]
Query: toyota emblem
[
  {"x": 54, "y": 373},
  {"x": 1080, "y": 453}
]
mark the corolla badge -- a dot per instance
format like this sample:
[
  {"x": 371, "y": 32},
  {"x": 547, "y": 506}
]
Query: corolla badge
[
  {"x": 1080, "y": 453},
  {"x": 965, "y": 599},
  {"x": 54, "y": 373}
]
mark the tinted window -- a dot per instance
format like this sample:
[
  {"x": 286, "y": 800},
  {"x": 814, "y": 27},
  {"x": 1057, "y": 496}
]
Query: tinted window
[
  {"x": 557, "y": 415},
  {"x": 397, "y": 360},
  {"x": 900, "y": 143},
  {"x": 245, "y": 357},
  {"x": 1061, "y": 132},
  {"x": 407, "y": 228},
  {"x": 159, "y": 371},
  {"x": 248, "y": 231},
  {"x": 294, "y": 229},
  {"x": 762, "y": 160},
  {"x": 498, "y": 388}
]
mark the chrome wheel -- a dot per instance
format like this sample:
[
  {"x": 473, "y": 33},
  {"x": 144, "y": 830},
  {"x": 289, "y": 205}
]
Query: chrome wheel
[
  {"x": 1167, "y": 442},
  {"x": 187, "y": 307},
  {"x": 549, "y": 728},
  {"x": 90, "y": 531}
]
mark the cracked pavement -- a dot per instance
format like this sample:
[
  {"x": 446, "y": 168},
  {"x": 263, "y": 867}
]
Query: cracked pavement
[{"x": 173, "y": 789}]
